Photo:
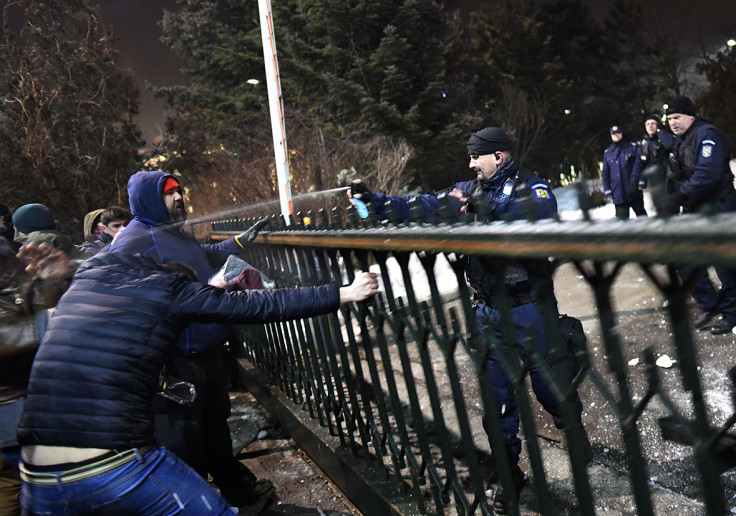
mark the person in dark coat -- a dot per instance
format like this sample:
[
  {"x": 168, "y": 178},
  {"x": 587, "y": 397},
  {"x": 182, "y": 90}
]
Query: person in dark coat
[
  {"x": 27, "y": 291},
  {"x": 7, "y": 230},
  {"x": 157, "y": 232},
  {"x": 499, "y": 189},
  {"x": 699, "y": 174},
  {"x": 87, "y": 431},
  {"x": 620, "y": 184},
  {"x": 653, "y": 151},
  {"x": 34, "y": 224}
]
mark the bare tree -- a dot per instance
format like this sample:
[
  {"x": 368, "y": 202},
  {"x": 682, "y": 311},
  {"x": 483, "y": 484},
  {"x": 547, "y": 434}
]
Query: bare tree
[
  {"x": 67, "y": 135},
  {"x": 523, "y": 116}
]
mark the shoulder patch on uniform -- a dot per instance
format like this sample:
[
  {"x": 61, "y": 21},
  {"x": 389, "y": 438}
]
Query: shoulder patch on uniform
[
  {"x": 706, "y": 151},
  {"x": 541, "y": 191}
]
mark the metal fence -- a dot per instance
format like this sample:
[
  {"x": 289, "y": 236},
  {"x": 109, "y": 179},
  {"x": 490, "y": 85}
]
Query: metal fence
[{"x": 400, "y": 383}]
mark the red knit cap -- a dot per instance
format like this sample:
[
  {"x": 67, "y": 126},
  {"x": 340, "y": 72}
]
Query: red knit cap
[{"x": 170, "y": 184}]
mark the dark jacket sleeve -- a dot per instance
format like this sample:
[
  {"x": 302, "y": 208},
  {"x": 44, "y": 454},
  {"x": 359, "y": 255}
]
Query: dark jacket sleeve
[
  {"x": 667, "y": 139},
  {"x": 203, "y": 303},
  {"x": 429, "y": 204},
  {"x": 710, "y": 152},
  {"x": 218, "y": 253},
  {"x": 640, "y": 164},
  {"x": 606, "y": 176}
]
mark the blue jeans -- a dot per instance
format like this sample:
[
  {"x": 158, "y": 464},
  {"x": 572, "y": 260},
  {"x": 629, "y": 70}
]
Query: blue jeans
[
  {"x": 527, "y": 314},
  {"x": 157, "y": 482}
]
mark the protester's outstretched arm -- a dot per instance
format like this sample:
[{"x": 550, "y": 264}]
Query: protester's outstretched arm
[{"x": 363, "y": 287}]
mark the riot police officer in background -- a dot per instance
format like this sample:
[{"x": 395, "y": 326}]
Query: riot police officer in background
[
  {"x": 499, "y": 190},
  {"x": 620, "y": 184},
  {"x": 699, "y": 174},
  {"x": 653, "y": 150}
]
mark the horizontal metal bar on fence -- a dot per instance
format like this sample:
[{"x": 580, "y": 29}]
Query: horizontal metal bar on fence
[{"x": 686, "y": 239}]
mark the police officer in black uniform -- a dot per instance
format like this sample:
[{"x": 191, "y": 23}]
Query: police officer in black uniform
[
  {"x": 653, "y": 151},
  {"x": 499, "y": 190},
  {"x": 698, "y": 174}
]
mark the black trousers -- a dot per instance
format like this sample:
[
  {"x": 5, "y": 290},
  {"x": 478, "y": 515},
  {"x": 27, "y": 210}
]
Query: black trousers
[{"x": 198, "y": 432}]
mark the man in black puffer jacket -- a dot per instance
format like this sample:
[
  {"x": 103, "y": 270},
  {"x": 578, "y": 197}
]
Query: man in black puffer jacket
[
  {"x": 87, "y": 426},
  {"x": 198, "y": 433}
]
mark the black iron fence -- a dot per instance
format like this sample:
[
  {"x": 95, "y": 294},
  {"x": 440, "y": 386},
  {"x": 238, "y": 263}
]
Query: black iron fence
[{"x": 400, "y": 382}]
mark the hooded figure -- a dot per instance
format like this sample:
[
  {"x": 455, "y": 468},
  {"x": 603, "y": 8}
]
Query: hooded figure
[
  {"x": 90, "y": 224},
  {"x": 206, "y": 444},
  {"x": 152, "y": 233}
]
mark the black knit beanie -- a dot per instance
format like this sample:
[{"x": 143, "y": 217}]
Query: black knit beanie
[
  {"x": 681, "y": 105},
  {"x": 488, "y": 141}
]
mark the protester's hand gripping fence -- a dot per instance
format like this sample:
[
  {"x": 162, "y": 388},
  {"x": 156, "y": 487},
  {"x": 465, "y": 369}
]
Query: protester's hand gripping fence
[{"x": 397, "y": 380}]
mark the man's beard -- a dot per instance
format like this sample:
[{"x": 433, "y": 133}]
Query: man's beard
[{"x": 179, "y": 213}]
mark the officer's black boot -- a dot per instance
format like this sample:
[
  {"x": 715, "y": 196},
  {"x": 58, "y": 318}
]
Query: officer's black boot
[
  {"x": 500, "y": 500},
  {"x": 587, "y": 447}
]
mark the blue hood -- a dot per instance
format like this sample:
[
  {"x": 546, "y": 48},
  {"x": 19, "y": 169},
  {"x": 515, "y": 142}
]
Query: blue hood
[{"x": 144, "y": 192}]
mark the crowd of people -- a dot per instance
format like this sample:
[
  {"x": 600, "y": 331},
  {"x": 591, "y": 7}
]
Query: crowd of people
[
  {"x": 694, "y": 160},
  {"x": 81, "y": 427}
]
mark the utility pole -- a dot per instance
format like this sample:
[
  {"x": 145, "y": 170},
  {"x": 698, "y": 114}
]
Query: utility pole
[{"x": 276, "y": 105}]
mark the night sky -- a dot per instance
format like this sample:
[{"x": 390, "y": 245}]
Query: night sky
[
  {"x": 704, "y": 24},
  {"x": 135, "y": 24}
]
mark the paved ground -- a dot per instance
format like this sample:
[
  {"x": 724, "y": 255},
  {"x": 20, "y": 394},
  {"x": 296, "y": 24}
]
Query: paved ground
[{"x": 301, "y": 489}]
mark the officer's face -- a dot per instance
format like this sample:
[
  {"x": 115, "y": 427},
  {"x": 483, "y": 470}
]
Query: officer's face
[
  {"x": 680, "y": 123},
  {"x": 616, "y": 136},
  {"x": 485, "y": 165},
  {"x": 651, "y": 126}
]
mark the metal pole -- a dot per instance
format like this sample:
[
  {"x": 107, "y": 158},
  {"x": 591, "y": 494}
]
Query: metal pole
[{"x": 276, "y": 105}]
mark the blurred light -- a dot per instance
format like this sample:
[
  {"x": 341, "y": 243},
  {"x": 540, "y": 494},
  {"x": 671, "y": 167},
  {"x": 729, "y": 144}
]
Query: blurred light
[
  {"x": 731, "y": 42},
  {"x": 444, "y": 94},
  {"x": 307, "y": 221},
  {"x": 665, "y": 106},
  {"x": 253, "y": 81},
  {"x": 567, "y": 111}
]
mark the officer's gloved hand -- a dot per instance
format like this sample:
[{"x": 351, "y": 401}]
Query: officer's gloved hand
[
  {"x": 251, "y": 233},
  {"x": 674, "y": 201},
  {"x": 360, "y": 191}
]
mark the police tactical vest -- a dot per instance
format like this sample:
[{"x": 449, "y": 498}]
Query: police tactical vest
[
  {"x": 517, "y": 276},
  {"x": 682, "y": 164}
]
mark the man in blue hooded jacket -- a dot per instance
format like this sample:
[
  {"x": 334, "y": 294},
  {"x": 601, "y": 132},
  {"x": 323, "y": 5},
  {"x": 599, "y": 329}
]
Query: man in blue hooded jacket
[{"x": 156, "y": 231}]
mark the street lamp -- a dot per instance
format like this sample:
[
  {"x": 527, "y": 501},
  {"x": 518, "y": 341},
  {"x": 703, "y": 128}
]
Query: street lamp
[{"x": 731, "y": 42}]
